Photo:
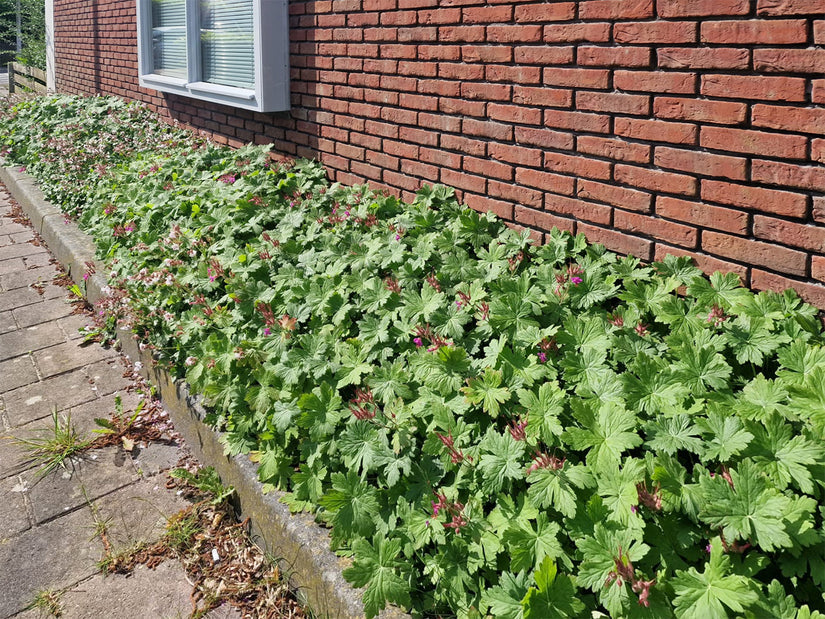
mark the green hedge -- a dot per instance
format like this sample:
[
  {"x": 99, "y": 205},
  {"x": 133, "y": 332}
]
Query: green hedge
[{"x": 488, "y": 427}]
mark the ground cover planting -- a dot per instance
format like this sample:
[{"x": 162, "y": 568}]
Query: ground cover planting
[{"x": 488, "y": 427}]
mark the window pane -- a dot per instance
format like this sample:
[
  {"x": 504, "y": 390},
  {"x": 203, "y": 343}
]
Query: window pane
[
  {"x": 227, "y": 43},
  {"x": 169, "y": 38}
]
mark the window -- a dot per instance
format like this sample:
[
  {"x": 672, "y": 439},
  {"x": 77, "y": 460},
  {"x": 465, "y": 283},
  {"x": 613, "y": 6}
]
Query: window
[{"x": 234, "y": 52}]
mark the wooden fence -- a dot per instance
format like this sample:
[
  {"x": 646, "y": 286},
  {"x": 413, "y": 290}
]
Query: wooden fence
[{"x": 22, "y": 77}]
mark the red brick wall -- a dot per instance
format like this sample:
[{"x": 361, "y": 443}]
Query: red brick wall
[{"x": 652, "y": 126}]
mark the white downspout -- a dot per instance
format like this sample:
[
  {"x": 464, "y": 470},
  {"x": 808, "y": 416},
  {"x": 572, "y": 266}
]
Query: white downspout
[{"x": 50, "y": 76}]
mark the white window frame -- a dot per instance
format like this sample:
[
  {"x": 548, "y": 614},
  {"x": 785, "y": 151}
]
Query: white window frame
[{"x": 270, "y": 24}]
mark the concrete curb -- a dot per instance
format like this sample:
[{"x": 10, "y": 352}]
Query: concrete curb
[{"x": 301, "y": 545}]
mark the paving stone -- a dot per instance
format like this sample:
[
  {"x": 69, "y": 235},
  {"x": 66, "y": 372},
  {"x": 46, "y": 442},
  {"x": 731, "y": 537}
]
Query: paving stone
[
  {"x": 15, "y": 343},
  {"x": 84, "y": 479},
  {"x": 155, "y": 458},
  {"x": 107, "y": 376},
  {"x": 21, "y": 250},
  {"x": 22, "y": 237},
  {"x": 26, "y": 404},
  {"x": 11, "y": 227},
  {"x": 139, "y": 512},
  {"x": 26, "y": 277},
  {"x": 11, "y": 265},
  {"x": 224, "y": 612},
  {"x": 83, "y": 416},
  {"x": 16, "y": 372},
  {"x": 72, "y": 324},
  {"x": 37, "y": 260},
  {"x": 7, "y": 322},
  {"x": 13, "y": 459},
  {"x": 51, "y": 291},
  {"x": 13, "y": 516},
  {"x": 68, "y": 356},
  {"x": 6, "y": 240},
  {"x": 45, "y": 311},
  {"x": 55, "y": 555},
  {"x": 18, "y": 298},
  {"x": 162, "y": 593}
]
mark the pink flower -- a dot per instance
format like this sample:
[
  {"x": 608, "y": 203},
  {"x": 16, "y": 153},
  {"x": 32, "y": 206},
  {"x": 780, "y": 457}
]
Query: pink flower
[
  {"x": 190, "y": 361},
  {"x": 267, "y": 331},
  {"x": 418, "y": 342},
  {"x": 542, "y": 357},
  {"x": 576, "y": 280}
]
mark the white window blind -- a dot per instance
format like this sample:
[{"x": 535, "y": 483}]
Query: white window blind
[
  {"x": 227, "y": 43},
  {"x": 169, "y": 38}
]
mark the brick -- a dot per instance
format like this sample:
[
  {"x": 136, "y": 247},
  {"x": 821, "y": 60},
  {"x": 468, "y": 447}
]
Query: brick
[
  {"x": 637, "y": 33},
  {"x": 544, "y": 12},
  {"x": 685, "y": 236},
  {"x": 708, "y": 264},
  {"x": 819, "y": 32},
  {"x": 577, "y": 165},
  {"x": 703, "y": 58},
  {"x": 817, "y": 91},
  {"x": 615, "y": 9},
  {"x": 700, "y": 110},
  {"x": 519, "y": 155},
  {"x": 577, "y": 121},
  {"x": 818, "y": 267},
  {"x": 462, "y": 107},
  {"x": 577, "y": 33},
  {"x": 486, "y": 14},
  {"x": 452, "y": 178},
  {"x": 521, "y": 33},
  {"x": 655, "y": 180},
  {"x": 543, "y": 55},
  {"x": 545, "y": 181},
  {"x": 789, "y": 60},
  {"x": 488, "y": 168},
  {"x": 516, "y": 114},
  {"x": 615, "y": 196},
  {"x": 801, "y": 119},
  {"x": 578, "y": 209},
  {"x": 788, "y": 174},
  {"x": 655, "y": 130},
  {"x": 461, "y": 34},
  {"x": 545, "y": 97},
  {"x": 617, "y": 241},
  {"x": 514, "y": 193},
  {"x": 766, "y": 200},
  {"x": 789, "y": 233},
  {"x": 704, "y": 164},
  {"x": 419, "y": 136},
  {"x": 486, "y": 53},
  {"x": 513, "y": 74},
  {"x": 790, "y": 7},
  {"x": 464, "y": 145},
  {"x": 612, "y": 148},
  {"x": 757, "y": 253},
  {"x": 818, "y": 150},
  {"x": 754, "y": 142},
  {"x": 758, "y": 87},
  {"x": 614, "y": 102},
  {"x": 655, "y": 81},
  {"x": 502, "y": 209},
  {"x": 811, "y": 293},
  {"x": 703, "y": 215},
  {"x": 546, "y": 138},
  {"x": 702, "y": 8},
  {"x": 818, "y": 210},
  {"x": 487, "y": 129},
  {"x": 488, "y": 92},
  {"x": 613, "y": 56},
  {"x": 576, "y": 78},
  {"x": 542, "y": 220},
  {"x": 755, "y": 32},
  {"x": 460, "y": 71}
]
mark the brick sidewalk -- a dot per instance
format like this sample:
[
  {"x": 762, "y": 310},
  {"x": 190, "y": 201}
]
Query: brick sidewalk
[{"x": 47, "y": 538}]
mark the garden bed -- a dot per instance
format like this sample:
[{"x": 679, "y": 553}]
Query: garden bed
[{"x": 488, "y": 427}]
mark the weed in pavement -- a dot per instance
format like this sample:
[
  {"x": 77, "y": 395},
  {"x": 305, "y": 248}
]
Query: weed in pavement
[
  {"x": 47, "y": 603},
  {"x": 55, "y": 449}
]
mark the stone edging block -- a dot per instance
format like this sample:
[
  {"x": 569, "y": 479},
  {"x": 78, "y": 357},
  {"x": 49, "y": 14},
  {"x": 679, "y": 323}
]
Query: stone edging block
[{"x": 301, "y": 545}]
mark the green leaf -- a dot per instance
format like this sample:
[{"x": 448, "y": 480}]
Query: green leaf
[
  {"x": 504, "y": 599},
  {"x": 501, "y": 461},
  {"x": 706, "y": 595},
  {"x": 528, "y": 546},
  {"x": 543, "y": 410},
  {"x": 608, "y": 435},
  {"x": 353, "y": 504},
  {"x": 703, "y": 369},
  {"x": 376, "y": 567},
  {"x": 554, "y": 596},
  {"x": 487, "y": 391},
  {"x": 724, "y": 437},
  {"x": 670, "y": 434},
  {"x": 750, "y": 510},
  {"x": 557, "y": 488}
]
